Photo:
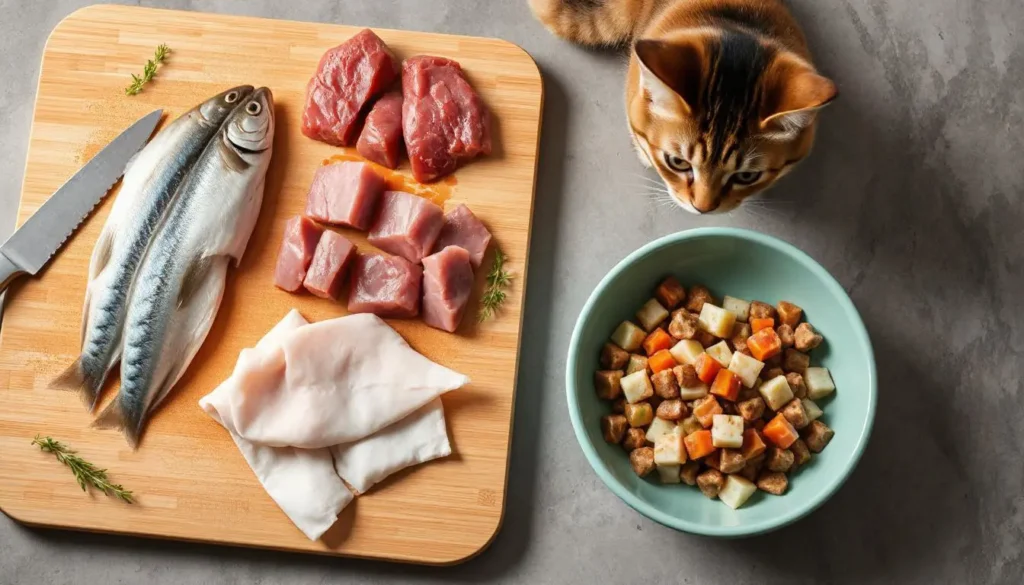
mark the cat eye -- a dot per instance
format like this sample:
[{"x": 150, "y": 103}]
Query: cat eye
[
  {"x": 746, "y": 177},
  {"x": 677, "y": 163}
]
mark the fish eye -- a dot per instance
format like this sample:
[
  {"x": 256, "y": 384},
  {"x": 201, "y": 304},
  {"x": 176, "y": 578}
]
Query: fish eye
[
  {"x": 677, "y": 163},
  {"x": 232, "y": 97},
  {"x": 254, "y": 108},
  {"x": 747, "y": 177}
]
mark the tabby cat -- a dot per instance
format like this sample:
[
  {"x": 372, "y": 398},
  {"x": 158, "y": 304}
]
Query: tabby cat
[{"x": 721, "y": 95}]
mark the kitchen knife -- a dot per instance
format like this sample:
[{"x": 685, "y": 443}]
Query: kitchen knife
[{"x": 36, "y": 241}]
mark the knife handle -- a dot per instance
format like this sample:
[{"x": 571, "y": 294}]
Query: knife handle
[{"x": 8, "y": 272}]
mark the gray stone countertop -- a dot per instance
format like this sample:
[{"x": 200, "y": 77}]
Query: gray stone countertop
[{"x": 912, "y": 200}]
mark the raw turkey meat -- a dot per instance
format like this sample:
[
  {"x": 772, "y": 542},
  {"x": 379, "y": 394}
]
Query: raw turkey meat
[
  {"x": 300, "y": 239},
  {"x": 329, "y": 266},
  {"x": 463, "y": 229},
  {"x": 406, "y": 225},
  {"x": 381, "y": 138},
  {"x": 388, "y": 286},
  {"x": 447, "y": 284},
  {"x": 345, "y": 194},
  {"x": 444, "y": 121},
  {"x": 347, "y": 79}
]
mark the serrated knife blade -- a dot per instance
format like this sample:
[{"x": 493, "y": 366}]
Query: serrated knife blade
[{"x": 33, "y": 244}]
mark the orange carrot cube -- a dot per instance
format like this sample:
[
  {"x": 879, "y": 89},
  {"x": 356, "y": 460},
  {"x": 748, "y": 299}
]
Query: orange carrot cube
[
  {"x": 699, "y": 444},
  {"x": 780, "y": 432},
  {"x": 705, "y": 409},
  {"x": 707, "y": 368},
  {"x": 726, "y": 385},
  {"x": 657, "y": 341},
  {"x": 753, "y": 445},
  {"x": 759, "y": 324},
  {"x": 662, "y": 360},
  {"x": 765, "y": 344}
]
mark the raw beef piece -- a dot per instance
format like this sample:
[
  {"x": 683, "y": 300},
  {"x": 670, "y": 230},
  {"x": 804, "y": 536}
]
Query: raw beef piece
[
  {"x": 444, "y": 121},
  {"x": 462, "y": 228},
  {"x": 345, "y": 193},
  {"x": 407, "y": 225},
  {"x": 347, "y": 79},
  {"x": 381, "y": 139},
  {"x": 387, "y": 286},
  {"x": 300, "y": 238},
  {"x": 330, "y": 264},
  {"x": 447, "y": 284}
]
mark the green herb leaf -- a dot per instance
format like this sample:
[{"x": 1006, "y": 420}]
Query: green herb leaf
[
  {"x": 497, "y": 280},
  {"x": 86, "y": 474},
  {"x": 148, "y": 71}
]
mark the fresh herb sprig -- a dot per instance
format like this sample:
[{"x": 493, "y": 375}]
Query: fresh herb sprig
[
  {"x": 85, "y": 473},
  {"x": 498, "y": 280},
  {"x": 149, "y": 71}
]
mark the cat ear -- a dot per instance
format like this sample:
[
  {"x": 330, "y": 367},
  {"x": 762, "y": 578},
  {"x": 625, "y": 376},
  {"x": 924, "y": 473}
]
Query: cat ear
[
  {"x": 794, "y": 92},
  {"x": 671, "y": 73}
]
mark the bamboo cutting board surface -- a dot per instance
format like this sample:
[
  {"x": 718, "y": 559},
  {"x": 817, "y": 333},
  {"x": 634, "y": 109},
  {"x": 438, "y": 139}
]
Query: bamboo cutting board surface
[{"x": 190, "y": 479}]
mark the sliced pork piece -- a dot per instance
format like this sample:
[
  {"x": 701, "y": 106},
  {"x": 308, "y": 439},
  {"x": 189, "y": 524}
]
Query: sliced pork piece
[
  {"x": 444, "y": 121},
  {"x": 387, "y": 286},
  {"x": 381, "y": 138},
  {"x": 462, "y": 228},
  {"x": 406, "y": 225},
  {"x": 300, "y": 239},
  {"x": 347, "y": 79},
  {"x": 329, "y": 266},
  {"x": 447, "y": 284},
  {"x": 345, "y": 194}
]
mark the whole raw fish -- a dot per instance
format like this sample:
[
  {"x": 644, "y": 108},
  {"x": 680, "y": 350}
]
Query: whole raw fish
[
  {"x": 181, "y": 280},
  {"x": 150, "y": 184}
]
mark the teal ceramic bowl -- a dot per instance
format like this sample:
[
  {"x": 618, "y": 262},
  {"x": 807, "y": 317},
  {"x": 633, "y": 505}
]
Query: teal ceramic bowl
[{"x": 748, "y": 265}]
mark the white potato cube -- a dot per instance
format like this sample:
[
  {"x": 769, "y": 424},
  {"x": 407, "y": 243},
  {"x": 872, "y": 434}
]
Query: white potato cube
[
  {"x": 727, "y": 431},
  {"x": 668, "y": 473},
  {"x": 659, "y": 427},
  {"x": 776, "y": 392},
  {"x": 669, "y": 449},
  {"x": 721, "y": 353},
  {"x": 686, "y": 351},
  {"x": 812, "y": 410},
  {"x": 819, "y": 383},
  {"x": 693, "y": 393},
  {"x": 716, "y": 320},
  {"x": 651, "y": 314},
  {"x": 628, "y": 336},
  {"x": 737, "y": 307},
  {"x": 746, "y": 368},
  {"x": 636, "y": 387},
  {"x": 736, "y": 491}
]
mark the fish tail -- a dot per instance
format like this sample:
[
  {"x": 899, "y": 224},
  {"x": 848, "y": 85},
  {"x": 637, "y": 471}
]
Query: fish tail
[
  {"x": 75, "y": 378},
  {"x": 114, "y": 417}
]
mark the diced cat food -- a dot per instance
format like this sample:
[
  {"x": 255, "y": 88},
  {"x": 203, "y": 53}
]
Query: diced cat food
[
  {"x": 330, "y": 265},
  {"x": 406, "y": 225},
  {"x": 447, "y": 284},
  {"x": 301, "y": 236},
  {"x": 345, "y": 194},
  {"x": 462, "y": 228},
  {"x": 444, "y": 121},
  {"x": 381, "y": 138},
  {"x": 387, "y": 286},
  {"x": 347, "y": 80}
]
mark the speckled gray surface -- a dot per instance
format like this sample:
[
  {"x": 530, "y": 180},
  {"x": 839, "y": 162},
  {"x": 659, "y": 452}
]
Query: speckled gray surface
[{"x": 912, "y": 200}]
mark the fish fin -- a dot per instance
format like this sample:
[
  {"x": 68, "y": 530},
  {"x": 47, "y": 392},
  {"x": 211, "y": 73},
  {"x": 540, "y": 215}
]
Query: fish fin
[
  {"x": 195, "y": 277},
  {"x": 74, "y": 378},
  {"x": 114, "y": 417}
]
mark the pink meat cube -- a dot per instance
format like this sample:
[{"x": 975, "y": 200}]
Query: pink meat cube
[
  {"x": 444, "y": 121},
  {"x": 381, "y": 139},
  {"x": 300, "y": 239},
  {"x": 347, "y": 79},
  {"x": 447, "y": 284},
  {"x": 346, "y": 194},
  {"x": 462, "y": 228},
  {"x": 406, "y": 225},
  {"x": 387, "y": 286},
  {"x": 330, "y": 263}
]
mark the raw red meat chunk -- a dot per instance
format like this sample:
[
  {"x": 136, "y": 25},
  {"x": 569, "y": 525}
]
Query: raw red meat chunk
[
  {"x": 447, "y": 284},
  {"x": 300, "y": 239},
  {"x": 381, "y": 138},
  {"x": 347, "y": 79},
  {"x": 406, "y": 225},
  {"x": 330, "y": 262},
  {"x": 387, "y": 286},
  {"x": 444, "y": 121},
  {"x": 345, "y": 193},
  {"x": 462, "y": 228}
]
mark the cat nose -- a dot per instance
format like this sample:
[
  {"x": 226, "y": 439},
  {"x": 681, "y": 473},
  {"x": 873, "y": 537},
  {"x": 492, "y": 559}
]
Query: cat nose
[{"x": 706, "y": 206}]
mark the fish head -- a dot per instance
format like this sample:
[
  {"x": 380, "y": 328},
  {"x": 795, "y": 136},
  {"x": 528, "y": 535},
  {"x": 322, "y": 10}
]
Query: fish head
[
  {"x": 251, "y": 127},
  {"x": 216, "y": 109}
]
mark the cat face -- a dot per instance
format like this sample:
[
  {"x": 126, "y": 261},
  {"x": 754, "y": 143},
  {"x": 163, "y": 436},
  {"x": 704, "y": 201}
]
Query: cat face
[{"x": 721, "y": 115}]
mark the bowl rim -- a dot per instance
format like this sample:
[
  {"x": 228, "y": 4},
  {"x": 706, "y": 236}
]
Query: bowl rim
[{"x": 598, "y": 465}]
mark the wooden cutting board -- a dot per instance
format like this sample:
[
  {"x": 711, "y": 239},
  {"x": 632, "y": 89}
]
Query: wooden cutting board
[{"x": 190, "y": 480}]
